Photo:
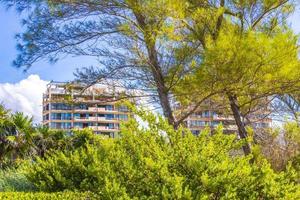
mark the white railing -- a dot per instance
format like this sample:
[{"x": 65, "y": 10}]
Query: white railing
[{"x": 93, "y": 109}]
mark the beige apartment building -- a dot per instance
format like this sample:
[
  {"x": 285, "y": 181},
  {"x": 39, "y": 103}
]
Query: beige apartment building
[
  {"x": 211, "y": 116},
  {"x": 73, "y": 106}
]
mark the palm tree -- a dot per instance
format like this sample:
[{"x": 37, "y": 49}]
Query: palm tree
[
  {"x": 46, "y": 139},
  {"x": 6, "y": 127},
  {"x": 22, "y": 135},
  {"x": 16, "y": 132},
  {"x": 43, "y": 140}
]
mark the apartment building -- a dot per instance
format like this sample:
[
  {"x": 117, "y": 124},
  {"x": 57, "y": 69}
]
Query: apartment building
[
  {"x": 211, "y": 116},
  {"x": 73, "y": 106}
]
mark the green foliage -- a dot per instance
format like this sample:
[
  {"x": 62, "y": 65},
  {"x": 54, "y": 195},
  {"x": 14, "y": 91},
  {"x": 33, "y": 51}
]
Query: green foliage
[
  {"x": 46, "y": 140},
  {"x": 14, "y": 180},
  {"x": 20, "y": 140},
  {"x": 292, "y": 146},
  {"x": 250, "y": 66},
  {"x": 79, "y": 138},
  {"x": 157, "y": 162},
  {"x": 292, "y": 132},
  {"x": 47, "y": 196},
  {"x": 16, "y": 133}
]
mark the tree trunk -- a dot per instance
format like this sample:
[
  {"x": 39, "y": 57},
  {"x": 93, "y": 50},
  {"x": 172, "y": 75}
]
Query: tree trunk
[
  {"x": 166, "y": 106},
  {"x": 161, "y": 86},
  {"x": 157, "y": 73},
  {"x": 238, "y": 120}
]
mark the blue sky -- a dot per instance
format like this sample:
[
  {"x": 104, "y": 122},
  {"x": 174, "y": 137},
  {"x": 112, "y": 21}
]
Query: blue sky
[{"x": 61, "y": 71}]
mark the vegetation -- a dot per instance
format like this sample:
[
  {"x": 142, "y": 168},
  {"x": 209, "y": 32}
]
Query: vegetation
[
  {"x": 14, "y": 180},
  {"x": 47, "y": 196},
  {"x": 230, "y": 49},
  {"x": 153, "y": 161},
  {"x": 237, "y": 54},
  {"x": 158, "y": 162},
  {"x": 266, "y": 66},
  {"x": 20, "y": 140}
]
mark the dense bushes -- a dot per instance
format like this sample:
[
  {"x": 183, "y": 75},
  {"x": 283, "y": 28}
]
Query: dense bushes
[
  {"x": 47, "y": 196},
  {"x": 21, "y": 140},
  {"x": 158, "y": 162},
  {"x": 152, "y": 161},
  {"x": 14, "y": 180}
]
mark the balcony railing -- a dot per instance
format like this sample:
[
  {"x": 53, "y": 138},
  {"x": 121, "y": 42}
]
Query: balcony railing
[
  {"x": 93, "y": 109},
  {"x": 86, "y": 119},
  {"x": 222, "y": 118}
]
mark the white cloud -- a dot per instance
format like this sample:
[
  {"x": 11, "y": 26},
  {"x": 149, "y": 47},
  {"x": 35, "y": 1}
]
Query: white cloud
[{"x": 24, "y": 96}]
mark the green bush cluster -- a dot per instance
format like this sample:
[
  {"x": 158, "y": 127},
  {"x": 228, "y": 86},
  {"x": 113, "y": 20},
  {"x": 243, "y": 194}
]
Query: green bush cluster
[
  {"x": 20, "y": 140},
  {"x": 157, "y": 162},
  {"x": 14, "y": 180},
  {"x": 47, "y": 196}
]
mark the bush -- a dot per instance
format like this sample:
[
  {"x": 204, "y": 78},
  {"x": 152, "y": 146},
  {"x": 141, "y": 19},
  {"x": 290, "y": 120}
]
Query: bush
[
  {"x": 158, "y": 162},
  {"x": 47, "y": 196},
  {"x": 14, "y": 180}
]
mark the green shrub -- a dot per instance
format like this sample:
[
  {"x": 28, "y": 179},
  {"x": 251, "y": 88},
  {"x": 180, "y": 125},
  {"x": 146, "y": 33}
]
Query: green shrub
[
  {"x": 158, "y": 162},
  {"x": 14, "y": 180},
  {"x": 47, "y": 196}
]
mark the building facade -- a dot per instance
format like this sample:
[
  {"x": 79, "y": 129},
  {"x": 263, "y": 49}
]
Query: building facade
[
  {"x": 210, "y": 116},
  {"x": 73, "y": 106}
]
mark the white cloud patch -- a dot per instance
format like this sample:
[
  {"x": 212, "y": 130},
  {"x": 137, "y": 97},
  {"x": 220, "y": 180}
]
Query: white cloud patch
[{"x": 24, "y": 96}]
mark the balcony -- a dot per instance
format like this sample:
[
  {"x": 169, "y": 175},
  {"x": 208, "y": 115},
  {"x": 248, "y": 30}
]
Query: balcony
[
  {"x": 93, "y": 109},
  {"x": 105, "y": 128},
  {"x": 93, "y": 118},
  {"x": 86, "y": 119},
  {"x": 99, "y": 128},
  {"x": 101, "y": 109},
  {"x": 231, "y": 127},
  {"x": 102, "y": 119},
  {"x": 222, "y": 118}
]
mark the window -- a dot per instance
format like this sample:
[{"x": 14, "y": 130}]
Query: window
[
  {"x": 123, "y": 117},
  {"x": 109, "y": 116},
  {"x": 196, "y": 123},
  {"x": 205, "y": 113},
  {"x": 78, "y": 125},
  {"x": 46, "y": 107},
  {"x": 61, "y": 116},
  {"x": 66, "y": 125},
  {"x": 66, "y": 116},
  {"x": 46, "y": 117},
  {"x": 60, "y": 106},
  {"x": 55, "y": 116},
  {"x": 108, "y": 107},
  {"x": 111, "y": 126},
  {"x": 214, "y": 123},
  {"x": 81, "y": 107},
  {"x": 123, "y": 109},
  {"x": 214, "y": 114},
  {"x": 261, "y": 125},
  {"x": 76, "y": 116},
  {"x": 102, "y": 124},
  {"x": 60, "y": 125}
]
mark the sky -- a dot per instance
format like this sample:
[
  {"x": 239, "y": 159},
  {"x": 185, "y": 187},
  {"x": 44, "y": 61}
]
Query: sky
[{"x": 21, "y": 91}]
